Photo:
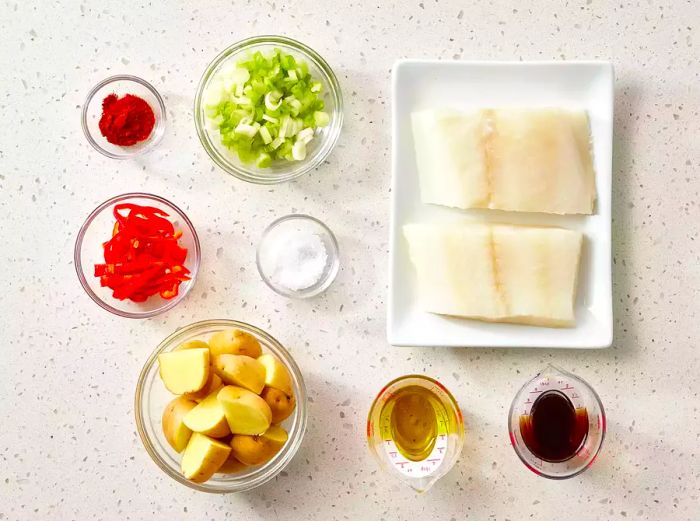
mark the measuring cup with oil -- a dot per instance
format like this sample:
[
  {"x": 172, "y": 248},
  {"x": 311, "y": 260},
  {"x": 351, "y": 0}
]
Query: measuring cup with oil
[
  {"x": 556, "y": 424},
  {"x": 415, "y": 430}
]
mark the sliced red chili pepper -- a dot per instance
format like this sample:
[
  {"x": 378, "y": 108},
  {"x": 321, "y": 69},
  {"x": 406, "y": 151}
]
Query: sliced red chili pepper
[
  {"x": 180, "y": 269},
  {"x": 151, "y": 226},
  {"x": 139, "y": 297},
  {"x": 170, "y": 293},
  {"x": 143, "y": 257},
  {"x": 138, "y": 209},
  {"x": 127, "y": 268}
]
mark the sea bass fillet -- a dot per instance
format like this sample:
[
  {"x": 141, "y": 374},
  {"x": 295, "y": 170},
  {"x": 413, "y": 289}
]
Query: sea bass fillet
[
  {"x": 526, "y": 160},
  {"x": 497, "y": 273}
]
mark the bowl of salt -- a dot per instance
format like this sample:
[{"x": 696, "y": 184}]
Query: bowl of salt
[{"x": 297, "y": 256}]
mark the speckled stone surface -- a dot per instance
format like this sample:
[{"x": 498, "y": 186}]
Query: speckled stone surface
[{"x": 68, "y": 443}]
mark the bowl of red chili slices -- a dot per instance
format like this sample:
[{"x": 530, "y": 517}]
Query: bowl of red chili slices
[
  {"x": 137, "y": 255},
  {"x": 123, "y": 116}
]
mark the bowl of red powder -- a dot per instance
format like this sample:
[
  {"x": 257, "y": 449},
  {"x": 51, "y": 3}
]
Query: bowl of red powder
[{"x": 123, "y": 116}]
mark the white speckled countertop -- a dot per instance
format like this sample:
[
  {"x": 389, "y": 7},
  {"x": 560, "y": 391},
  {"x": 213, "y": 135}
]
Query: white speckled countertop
[{"x": 68, "y": 444}]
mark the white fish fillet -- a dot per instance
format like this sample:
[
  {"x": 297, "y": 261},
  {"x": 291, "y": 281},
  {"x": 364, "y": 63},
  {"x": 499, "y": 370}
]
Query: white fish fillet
[
  {"x": 498, "y": 273},
  {"x": 528, "y": 160}
]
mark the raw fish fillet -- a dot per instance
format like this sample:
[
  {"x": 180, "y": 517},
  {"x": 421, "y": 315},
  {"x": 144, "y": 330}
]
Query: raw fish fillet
[
  {"x": 495, "y": 272},
  {"x": 527, "y": 160}
]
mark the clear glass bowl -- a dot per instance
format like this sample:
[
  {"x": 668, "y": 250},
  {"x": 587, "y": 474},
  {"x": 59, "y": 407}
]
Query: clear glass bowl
[
  {"x": 422, "y": 474},
  {"x": 269, "y": 243},
  {"x": 97, "y": 229},
  {"x": 121, "y": 85},
  {"x": 317, "y": 150},
  {"x": 581, "y": 396},
  {"x": 151, "y": 398}
]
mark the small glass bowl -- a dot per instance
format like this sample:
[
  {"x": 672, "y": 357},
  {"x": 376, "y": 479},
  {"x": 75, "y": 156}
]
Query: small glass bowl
[
  {"x": 92, "y": 112},
  {"x": 152, "y": 397},
  {"x": 275, "y": 232},
  {"x": 325, "y": 137},
  {"x": 97, "y": 229},
  {"x": 581, "y": 396}
]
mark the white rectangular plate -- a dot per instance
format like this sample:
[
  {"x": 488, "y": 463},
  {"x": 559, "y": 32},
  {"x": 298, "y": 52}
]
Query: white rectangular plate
[{"x": 418, "y": 85}]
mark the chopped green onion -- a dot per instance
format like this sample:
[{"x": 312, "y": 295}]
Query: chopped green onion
[
  {"x": 305, "y": 135},
  {"x": 321, "y": 119},
  {"x": 263, "y": 161},
  {"x": 273, "y": 100},
  {"x": 247, "y": 130},
  {"x": 265, "y": 135},
  {"x": 266, "y": 107},
  {"x": 299, "y": 150},
  {"x": 276, "y": 143}
]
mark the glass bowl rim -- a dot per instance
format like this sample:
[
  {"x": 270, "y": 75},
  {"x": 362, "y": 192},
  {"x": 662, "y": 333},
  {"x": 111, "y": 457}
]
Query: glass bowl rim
[
  {"x": 269, "y": 470},
  {"x": 336, "y": 118},
  {"x": 91, "y": 95},
  {"x": 332, "y": 274},
  {"x": 81, "y": 272}
]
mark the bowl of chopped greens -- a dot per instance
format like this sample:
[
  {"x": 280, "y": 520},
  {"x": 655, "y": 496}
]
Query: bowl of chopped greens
[{"x": 268, "y": 109}]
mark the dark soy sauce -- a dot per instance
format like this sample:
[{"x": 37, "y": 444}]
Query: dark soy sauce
[{"x": 554, "y": 430}]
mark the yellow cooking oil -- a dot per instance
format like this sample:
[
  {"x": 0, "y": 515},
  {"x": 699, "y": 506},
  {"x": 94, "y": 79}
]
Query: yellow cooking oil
[{"x": 415, "y": 417}]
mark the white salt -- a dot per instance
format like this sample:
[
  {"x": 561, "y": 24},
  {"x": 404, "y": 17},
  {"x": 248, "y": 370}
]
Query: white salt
[{"x": 297, "y": 259}]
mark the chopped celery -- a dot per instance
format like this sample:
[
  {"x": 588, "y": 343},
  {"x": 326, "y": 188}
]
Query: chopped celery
[
  {"x": 305, "y": 135},
  {"x": 265, "y": 135},
  {"x": 266, "y": 107},
  {"x": 247, "y": 130},
  {"x": 273, "y": 100},
  {"x": 299, "y": 150},
  {"x": 264, "y": 160},
  {"x": 321, "y": 119}
]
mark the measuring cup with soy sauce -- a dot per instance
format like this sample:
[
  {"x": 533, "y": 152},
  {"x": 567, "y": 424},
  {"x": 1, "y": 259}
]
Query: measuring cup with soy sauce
[
  {"x": 556, "y": 424},
  {"x": 415, "y": 430}
]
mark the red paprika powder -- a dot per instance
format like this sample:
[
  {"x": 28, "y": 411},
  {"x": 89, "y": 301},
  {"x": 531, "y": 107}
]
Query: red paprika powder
[{"x": 127, "y": 120}]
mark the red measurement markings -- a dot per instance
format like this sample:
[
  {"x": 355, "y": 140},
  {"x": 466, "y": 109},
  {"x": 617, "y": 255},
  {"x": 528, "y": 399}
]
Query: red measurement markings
[{"x": 434, "y": 461}]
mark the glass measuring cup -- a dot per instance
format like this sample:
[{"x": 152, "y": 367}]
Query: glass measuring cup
[
  {"x": 582, "y": 397},
  {"x": 440, "y": 456}
]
